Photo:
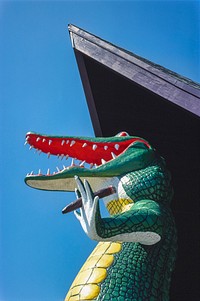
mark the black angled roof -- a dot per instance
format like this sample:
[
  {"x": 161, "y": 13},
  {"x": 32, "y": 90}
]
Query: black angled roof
[{"x": 156, "y": 79}]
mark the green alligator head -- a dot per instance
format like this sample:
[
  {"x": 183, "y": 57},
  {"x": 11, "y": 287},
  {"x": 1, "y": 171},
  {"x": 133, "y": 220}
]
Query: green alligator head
[{"x": 104, "y": 157}]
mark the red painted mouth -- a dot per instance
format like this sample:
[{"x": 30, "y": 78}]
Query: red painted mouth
[{"x": 93, "y": 151}]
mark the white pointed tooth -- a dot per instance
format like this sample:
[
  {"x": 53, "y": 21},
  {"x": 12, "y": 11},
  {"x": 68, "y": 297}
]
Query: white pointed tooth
[
  {"x": 62, "y": 156},
  {"x": 84, "y": 144},
  {"x": 95, "y": 165},
  {"x": 31, "y": 147},
  {"x": 27, "y": 137},
  {"x": 72, "y": 143},
  {"x": 43, "y": 140},
  {"x": 63, "y": 142},
  {"x": 48, "y": 155},
  {"x": 31, "y": 173},
  {"x": 38, "y": 151},
  {"x": 66, "y": 157},
  {"x": 50, "y": 141},
  {"x": 91, "y": 165},
  {"x": 72, "y": 163},
  {"x": 38, "y": 138},
  {"x": 116, "y": 146},
  {"x": 113, "y": 155},
  {"x": 57, "y": 168},
  {"x": 82, "y": 163},
  {"x": 103, "y": 161},
  {"x": 39, "y": 172},
  {"x": 94, "y": 147},
  {"x": 58, "y": 156},
  {"x": 105, "y": 147},
  {"x": 48, "y": 172},
  {"x": 27, "y": 175},
  {"x": 67, "y": 141},
  {"x": 26, "y": 142}
]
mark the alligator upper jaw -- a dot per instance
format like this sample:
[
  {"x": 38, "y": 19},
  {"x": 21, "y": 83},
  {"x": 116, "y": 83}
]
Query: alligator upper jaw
[{"x": 98, "y": 152}]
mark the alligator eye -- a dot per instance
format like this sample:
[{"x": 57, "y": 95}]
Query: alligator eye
[{"x": 122, "y": 134}]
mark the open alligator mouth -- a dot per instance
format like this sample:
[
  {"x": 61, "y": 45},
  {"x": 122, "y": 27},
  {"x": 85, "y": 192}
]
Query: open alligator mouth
[{"x": 96, "y": 156}]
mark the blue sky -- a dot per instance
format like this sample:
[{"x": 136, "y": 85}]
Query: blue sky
[{"x": 41, "y": 250}]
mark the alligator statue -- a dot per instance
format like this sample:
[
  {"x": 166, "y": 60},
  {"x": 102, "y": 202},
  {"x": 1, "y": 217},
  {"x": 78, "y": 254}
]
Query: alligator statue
[{"x": 136, "y": 253}]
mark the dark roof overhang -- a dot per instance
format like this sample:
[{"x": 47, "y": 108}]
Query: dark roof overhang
[{"x": 92, "y": 52}]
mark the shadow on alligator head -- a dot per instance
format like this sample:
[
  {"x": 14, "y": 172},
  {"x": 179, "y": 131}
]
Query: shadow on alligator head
[{"x": 136, "y": 254}]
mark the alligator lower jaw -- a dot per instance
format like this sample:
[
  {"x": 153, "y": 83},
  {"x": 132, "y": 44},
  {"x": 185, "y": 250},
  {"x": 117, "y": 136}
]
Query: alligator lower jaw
[
  {"x": 64, "y": 184},
  {"x": 63, "y": 180}
]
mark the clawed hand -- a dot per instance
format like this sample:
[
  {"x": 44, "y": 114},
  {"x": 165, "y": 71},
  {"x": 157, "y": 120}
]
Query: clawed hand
[{"x": 87, "y": 213}]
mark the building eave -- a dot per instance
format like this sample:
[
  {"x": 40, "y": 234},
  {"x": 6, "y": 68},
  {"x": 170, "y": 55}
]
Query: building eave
[{"x": 175, "y": 88}]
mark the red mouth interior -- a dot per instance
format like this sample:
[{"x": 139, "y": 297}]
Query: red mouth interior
[{"x": 84, "y": 150}]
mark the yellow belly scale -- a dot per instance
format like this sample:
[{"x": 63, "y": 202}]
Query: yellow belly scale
[{"x": 94, "y": 271}]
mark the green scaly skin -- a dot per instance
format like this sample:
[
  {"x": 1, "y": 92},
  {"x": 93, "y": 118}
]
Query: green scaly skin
[{"x": 140, "y": 272}]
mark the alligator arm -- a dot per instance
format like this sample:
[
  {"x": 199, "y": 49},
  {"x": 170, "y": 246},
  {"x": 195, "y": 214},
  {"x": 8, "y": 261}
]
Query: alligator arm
[{"x": 142, "y": 223}]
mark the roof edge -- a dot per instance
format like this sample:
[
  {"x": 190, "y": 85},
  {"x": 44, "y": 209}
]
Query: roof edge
[{"x": 134, "y": 58}]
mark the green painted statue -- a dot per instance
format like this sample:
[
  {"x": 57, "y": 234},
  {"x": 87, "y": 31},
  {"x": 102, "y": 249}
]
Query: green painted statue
[{"x": 135, "y": 256}]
